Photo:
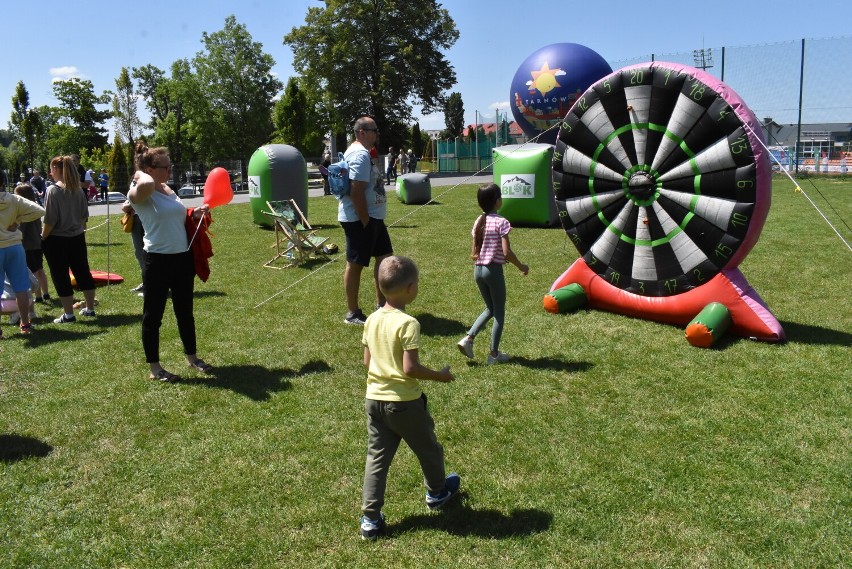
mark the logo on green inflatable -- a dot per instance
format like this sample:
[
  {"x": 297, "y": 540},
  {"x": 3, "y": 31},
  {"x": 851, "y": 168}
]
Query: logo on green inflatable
[{"x": 517, "y": 186}]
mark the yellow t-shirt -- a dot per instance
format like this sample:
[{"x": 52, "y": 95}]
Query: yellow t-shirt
[{"x": 387, "y": 334}]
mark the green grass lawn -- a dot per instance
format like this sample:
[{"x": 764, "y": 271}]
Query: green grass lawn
[{"x": 607, "y": 442}]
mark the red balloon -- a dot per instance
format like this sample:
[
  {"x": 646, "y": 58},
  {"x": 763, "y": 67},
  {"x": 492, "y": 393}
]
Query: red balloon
[{"x": 217, "y": 188}]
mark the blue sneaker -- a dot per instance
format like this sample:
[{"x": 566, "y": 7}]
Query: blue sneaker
[
  {"x": 370, "y": 529},
  {"x": 451, "y": 488}
]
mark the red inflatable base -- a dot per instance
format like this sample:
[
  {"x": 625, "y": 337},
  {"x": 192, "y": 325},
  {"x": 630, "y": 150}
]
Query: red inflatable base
[
  {"x": 749, "y": 314},
  {"x": 101, "y": 278}
]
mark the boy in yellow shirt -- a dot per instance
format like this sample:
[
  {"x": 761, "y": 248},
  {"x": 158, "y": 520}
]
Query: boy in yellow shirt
[{"x": 395, "y": 405}]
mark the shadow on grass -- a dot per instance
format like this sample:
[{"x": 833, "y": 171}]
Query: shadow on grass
[
  {"x": 18, "y": 447},
  {"x": 253, "y": 381},
  {"x": 206, "y": 293},
  {"x": 436, "y": 326},
  {"x": 817, "y": 335},
  {"x": 48, "y": 333},
  {"x": 459, "y": 519},
  {"x": 554, "y": 364}
]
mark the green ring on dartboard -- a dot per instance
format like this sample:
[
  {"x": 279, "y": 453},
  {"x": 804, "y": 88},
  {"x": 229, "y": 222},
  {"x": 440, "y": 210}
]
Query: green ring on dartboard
[{"x": 655, "y": 179}]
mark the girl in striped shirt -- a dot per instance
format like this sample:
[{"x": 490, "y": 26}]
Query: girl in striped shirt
[{"x": 491, "y": 250}]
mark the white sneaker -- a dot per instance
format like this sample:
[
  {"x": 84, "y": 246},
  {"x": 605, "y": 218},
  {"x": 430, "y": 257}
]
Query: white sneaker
[
  {"x": 466, "y": 346},
  {"x": 500, "y": 358}
]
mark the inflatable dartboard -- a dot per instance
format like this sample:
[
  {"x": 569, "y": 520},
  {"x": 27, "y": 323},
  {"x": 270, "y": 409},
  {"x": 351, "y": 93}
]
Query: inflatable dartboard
[{"x": 663, "y": 186}]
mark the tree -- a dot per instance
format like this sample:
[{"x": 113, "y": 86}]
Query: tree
[
  {"x": 25, "y": 124},
  {"x": 237, "y": 87},
  {"x": 124, "y": 109},
  {"x": 168, "y": 99},
  {"x": 119, "y": 176},
  {"x": 377, "y": 58},
  {"x": 296, "y": 120},
  {"x": 453, "y": 116},
  {"x": 417, "y": 140},
  {"x": 77, "y": 100}
]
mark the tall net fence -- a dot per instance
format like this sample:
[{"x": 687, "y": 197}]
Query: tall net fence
[
  {"x": 799, "y": 90},
  {"x": 768, "y": 77}
]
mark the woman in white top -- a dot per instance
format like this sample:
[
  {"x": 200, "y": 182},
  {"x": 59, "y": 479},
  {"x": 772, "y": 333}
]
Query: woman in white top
[{"x": 169, "y": 264}]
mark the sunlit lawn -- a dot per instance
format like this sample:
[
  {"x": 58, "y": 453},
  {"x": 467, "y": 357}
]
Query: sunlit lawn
[{"x": 608, "y": 441}]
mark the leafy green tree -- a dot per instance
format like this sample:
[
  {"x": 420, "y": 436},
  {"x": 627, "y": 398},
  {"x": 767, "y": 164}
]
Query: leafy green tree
[
  {"x": 119, "y": 175},
  {"x": 25, "y": 124},
  {"x": 376, "y": 58},
  {"x": 78, "y": 102},
  {"x": 124, "y": 107},
  {"x": 416, "y": 140},
  {"x": 52, "y": 143},
  {"x": 296, "y": 120},
  {"x": 233, "y": 117},
  {"x": 453, "y": 116},
  {"x": 168, "y": 99}
]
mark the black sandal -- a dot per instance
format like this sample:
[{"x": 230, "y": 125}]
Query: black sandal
[
  {"x": 166, "y": 377},
  {"x": 201, "y": 366}
]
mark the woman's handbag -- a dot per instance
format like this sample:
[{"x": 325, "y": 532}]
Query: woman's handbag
[{"x": 127, "y": 222}]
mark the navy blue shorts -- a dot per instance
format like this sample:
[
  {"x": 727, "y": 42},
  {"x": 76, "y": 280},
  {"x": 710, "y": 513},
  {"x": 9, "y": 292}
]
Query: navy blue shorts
[{"x": 362, "y": 243}]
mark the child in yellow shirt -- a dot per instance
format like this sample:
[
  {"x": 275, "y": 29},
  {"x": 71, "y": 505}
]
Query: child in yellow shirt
[{"x": 396, "y": 406}]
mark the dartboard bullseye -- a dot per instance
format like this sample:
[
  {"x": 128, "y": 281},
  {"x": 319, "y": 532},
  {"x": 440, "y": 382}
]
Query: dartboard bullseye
[{"x": 655, "y": 179}]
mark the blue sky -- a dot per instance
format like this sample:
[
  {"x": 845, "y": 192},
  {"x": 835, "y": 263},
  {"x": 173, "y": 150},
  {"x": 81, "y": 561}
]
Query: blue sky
[{"x": 94, "y": 39}]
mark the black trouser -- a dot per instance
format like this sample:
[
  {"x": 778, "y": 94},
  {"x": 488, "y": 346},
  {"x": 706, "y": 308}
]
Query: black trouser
[
  {"x": 137, "y": 233},
  {"x": 63, "y": 253},
  {"x": 164, "y": 273}
]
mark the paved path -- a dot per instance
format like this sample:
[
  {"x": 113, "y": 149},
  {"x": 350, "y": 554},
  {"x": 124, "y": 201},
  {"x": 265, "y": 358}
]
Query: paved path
[{"x": 437, "y": 181}]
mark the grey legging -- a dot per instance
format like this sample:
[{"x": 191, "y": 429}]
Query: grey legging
[{"x": 492, "y": 287}]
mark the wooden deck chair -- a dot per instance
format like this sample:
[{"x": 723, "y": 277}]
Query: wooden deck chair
[{"x": 295, "y": 240}]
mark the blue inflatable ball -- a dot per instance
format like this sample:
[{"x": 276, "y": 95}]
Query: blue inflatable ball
[{"x": 548, "y": 82}]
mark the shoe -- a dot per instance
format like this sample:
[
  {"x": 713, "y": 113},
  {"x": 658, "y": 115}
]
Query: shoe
[
  {"x": 466, "y": 346},
  {"x": 500, "y": 358},
  {"x": 201, "y": 366},
  {"x": 370, "y": 529},
  {"x": 46, "y": 297},
  {"x": 27, "y": 328},
  {"x": 356, "y": 317},
  {"x": 87, "y": 312},
  {"x": 65, "y": 319},
  {"x": 138, "y": 288},
  {"x": 451, "y": 488},
  {"x": 165, "y": 377},
  {"x": 38, "y": 299}
]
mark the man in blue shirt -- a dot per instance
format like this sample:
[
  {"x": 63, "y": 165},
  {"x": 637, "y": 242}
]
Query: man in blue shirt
[
  {"x": 103, "y": 181},
  {"x": 362, "y": 214}
]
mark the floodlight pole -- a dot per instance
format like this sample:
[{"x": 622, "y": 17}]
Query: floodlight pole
[{"x": 703, "y": 58}]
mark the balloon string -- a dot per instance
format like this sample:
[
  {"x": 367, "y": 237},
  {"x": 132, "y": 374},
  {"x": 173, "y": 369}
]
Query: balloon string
[
  {"x": 200, "y": 223},
  {"x": 798, "y": 187},
  {"x": 415, "y": 210}
]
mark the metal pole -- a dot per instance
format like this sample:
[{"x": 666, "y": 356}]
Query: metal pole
[
  {"x": 457, "y": 154},
  {"x": 476, "y": 134},
  {"x": 801, "y": 90}
]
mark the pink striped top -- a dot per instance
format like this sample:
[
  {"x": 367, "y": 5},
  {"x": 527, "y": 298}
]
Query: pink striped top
[{"x": 496, "y": 228}]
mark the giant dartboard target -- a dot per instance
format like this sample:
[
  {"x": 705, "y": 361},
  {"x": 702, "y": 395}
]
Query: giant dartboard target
[{"x": 659, "y": 178}]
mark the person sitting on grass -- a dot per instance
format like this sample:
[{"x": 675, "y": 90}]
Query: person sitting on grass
[{"x": 395, "y": 405}]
